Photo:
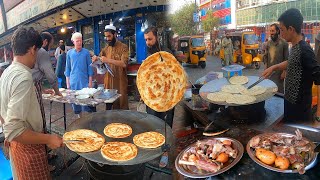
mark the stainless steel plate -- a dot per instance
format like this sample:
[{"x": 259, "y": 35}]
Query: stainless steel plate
[
  {"x": 251, "y": 153},
  {"x": 216, "y": 85},
  {"x": 192, "y": 172}
]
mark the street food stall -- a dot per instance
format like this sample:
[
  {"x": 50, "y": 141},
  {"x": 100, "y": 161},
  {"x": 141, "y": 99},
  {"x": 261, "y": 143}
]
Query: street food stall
[{"x": 253, "y": 142}]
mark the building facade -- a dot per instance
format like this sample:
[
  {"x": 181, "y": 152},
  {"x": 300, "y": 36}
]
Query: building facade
[{"x": 259, "y": 14}]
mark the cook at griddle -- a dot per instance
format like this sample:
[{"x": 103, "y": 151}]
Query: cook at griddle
[{"x": 302, "y": 71}]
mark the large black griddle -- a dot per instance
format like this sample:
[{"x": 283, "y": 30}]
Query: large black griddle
[
  {"x": 216, "y": 85},
  {"x": 139, "y": 122}
]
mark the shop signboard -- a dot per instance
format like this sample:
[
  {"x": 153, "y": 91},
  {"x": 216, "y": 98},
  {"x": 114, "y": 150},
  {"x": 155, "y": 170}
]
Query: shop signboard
[{"x": 30, "y": 8}]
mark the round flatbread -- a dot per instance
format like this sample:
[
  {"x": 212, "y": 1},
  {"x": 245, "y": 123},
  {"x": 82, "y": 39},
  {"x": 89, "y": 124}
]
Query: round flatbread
[
  {"x": 240, "y": 99},
  {"x": 149, "y": 140},
  {"x": 119, "y": 151},
  {"x": 239, "y": 80},
  {"x": 161, "y": 81},
  {"x": 218, "y": 96},
  {"x": 92, "y": 140},
  {"x": 255, "y": 90},
  {"x": 117, "y": 130},
  {"x": 233, "y": 89}
]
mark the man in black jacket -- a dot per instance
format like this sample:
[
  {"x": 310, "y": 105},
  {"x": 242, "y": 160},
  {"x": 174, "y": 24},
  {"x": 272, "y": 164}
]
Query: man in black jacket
[{"x": 151, "y": 37}]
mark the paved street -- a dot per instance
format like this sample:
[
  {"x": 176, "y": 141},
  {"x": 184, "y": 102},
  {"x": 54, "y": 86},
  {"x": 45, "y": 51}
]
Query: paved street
[{"x": 214, "y": 64}]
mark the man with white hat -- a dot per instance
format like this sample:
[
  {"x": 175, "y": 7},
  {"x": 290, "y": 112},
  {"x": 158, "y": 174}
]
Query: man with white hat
[
  {"x": 317, "y": 47},
  {"x": 115, "y": 55}
]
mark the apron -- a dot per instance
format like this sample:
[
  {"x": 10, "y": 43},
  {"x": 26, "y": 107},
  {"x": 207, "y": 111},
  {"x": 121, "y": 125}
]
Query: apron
[
  {"x": 29, "y": 161},
  {"x": 39, "y": 97}
]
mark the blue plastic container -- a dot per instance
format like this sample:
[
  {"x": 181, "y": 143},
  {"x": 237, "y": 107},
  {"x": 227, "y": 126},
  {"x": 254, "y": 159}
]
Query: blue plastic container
[{"x": 5, "y": 169}]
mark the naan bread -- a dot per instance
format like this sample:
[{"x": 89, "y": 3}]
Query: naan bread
[
  {"x": 218, "y": 96},
  {"x": 233, "y": 89},
  {"x": 119, "y": 151},
  {"x": 240, "y": 99},
  {"x": 255, "y": 90},
  {"x": 239, "y": 80},
  {"x": 149, "y": 140},
  {"x": 92, "y": 140},
  {"x": 117, "y": 130},
  {"x": 161, "y": 84}
]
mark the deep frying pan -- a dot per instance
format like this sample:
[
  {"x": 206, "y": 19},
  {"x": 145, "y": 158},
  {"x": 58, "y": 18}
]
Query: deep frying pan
[{"x": 217, "y": 84}]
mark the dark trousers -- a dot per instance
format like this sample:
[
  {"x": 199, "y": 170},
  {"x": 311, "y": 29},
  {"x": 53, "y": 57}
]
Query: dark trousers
[
  {"x": 298, "y": 113},
  {"x": 166, "y": 116}
]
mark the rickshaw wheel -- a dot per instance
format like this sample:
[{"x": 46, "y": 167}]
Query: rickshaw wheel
[
  {"x": 202, "y": 64},
  {"x": 256, "y": 65}
]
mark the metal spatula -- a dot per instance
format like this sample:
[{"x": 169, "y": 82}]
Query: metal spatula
[
  {"x": 72, "y": 141},
  {"x": 261, "y": 78}
]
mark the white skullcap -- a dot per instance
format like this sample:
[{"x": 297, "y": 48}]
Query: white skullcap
[
  {"x": 111, "y": 27},
  {"x": 76, "y": 35}
]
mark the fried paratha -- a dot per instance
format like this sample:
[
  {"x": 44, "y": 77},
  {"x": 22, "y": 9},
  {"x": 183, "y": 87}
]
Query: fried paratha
[
  {"x": 161, "y": 81},
  {"x": 233, "y": 89},
  {"x": 239, "y": 80},
  {"x": 240, "y": 99},
  {"x": 149, "y": 140},
  {"x": 218, "y": 96},
  {"x": 92, "y": 140},
  {"x": 117, "y": 130},
  {"x": 119, "y": 151}
]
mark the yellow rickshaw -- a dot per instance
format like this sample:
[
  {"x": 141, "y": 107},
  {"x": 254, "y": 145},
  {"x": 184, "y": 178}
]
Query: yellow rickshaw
[
  {"x": 193, "y": 49},
  {"x": 246, "y": 49}
]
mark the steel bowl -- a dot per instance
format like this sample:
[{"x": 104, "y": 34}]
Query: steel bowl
[
  {"x": 192, "y": 172},
  {"x": 311, "y": 164}
]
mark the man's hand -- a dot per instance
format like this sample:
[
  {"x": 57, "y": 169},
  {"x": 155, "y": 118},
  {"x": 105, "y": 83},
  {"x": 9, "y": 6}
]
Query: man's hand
[
  {"x": 55, "y": 142},
  {"x": 283, "y": 75},
  {"x": 90, "y": 84},
  {"x": 94, "y": 58},
  {"x": 104, "y": 59},
  {"x": 266, "y": 73},
  {"x": 58, "y": 93},
  {"x": 48, "y": 91}
]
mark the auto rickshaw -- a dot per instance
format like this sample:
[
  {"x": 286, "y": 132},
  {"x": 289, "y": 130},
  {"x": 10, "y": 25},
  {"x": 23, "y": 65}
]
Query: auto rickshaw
[
  {"x": 193, "y": 49},
  {"x": 245, "y": 48}
]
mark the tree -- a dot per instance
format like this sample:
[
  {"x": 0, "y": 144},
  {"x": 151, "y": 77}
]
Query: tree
[
  {"x": 182, "y": 20},
  {"x": 210, "y": 22}
]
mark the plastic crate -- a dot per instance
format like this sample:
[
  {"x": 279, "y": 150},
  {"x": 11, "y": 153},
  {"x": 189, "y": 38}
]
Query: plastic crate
[{"x": 5, "y": 172}]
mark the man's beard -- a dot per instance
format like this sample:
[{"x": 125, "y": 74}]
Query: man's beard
[
  {"x": 274, "y": 37},
  {"x": 112, "y": 42},
  {"x": 46, "y": 47},
  {"x": 154, "y": 48}
]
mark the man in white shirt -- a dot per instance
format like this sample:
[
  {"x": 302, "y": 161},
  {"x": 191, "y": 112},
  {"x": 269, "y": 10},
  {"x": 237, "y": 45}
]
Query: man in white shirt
[
  {"x": 58, "y": 50},
  {"x": 20, "y": 111}
]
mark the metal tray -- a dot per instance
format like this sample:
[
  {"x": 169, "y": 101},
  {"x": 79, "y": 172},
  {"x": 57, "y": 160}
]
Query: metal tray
[
  {"x": 251, "y": 153},
  {"x": 188, "y": 171},
  {"x": 215, "y": 86}
]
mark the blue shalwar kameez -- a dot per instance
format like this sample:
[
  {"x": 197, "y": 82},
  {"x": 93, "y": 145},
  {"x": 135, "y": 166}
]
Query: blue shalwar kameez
[{"x": 78, "y": 70}]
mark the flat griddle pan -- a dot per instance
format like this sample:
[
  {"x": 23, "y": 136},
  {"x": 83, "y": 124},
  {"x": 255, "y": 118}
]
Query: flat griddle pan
[{"x": 139, "y": 122}]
